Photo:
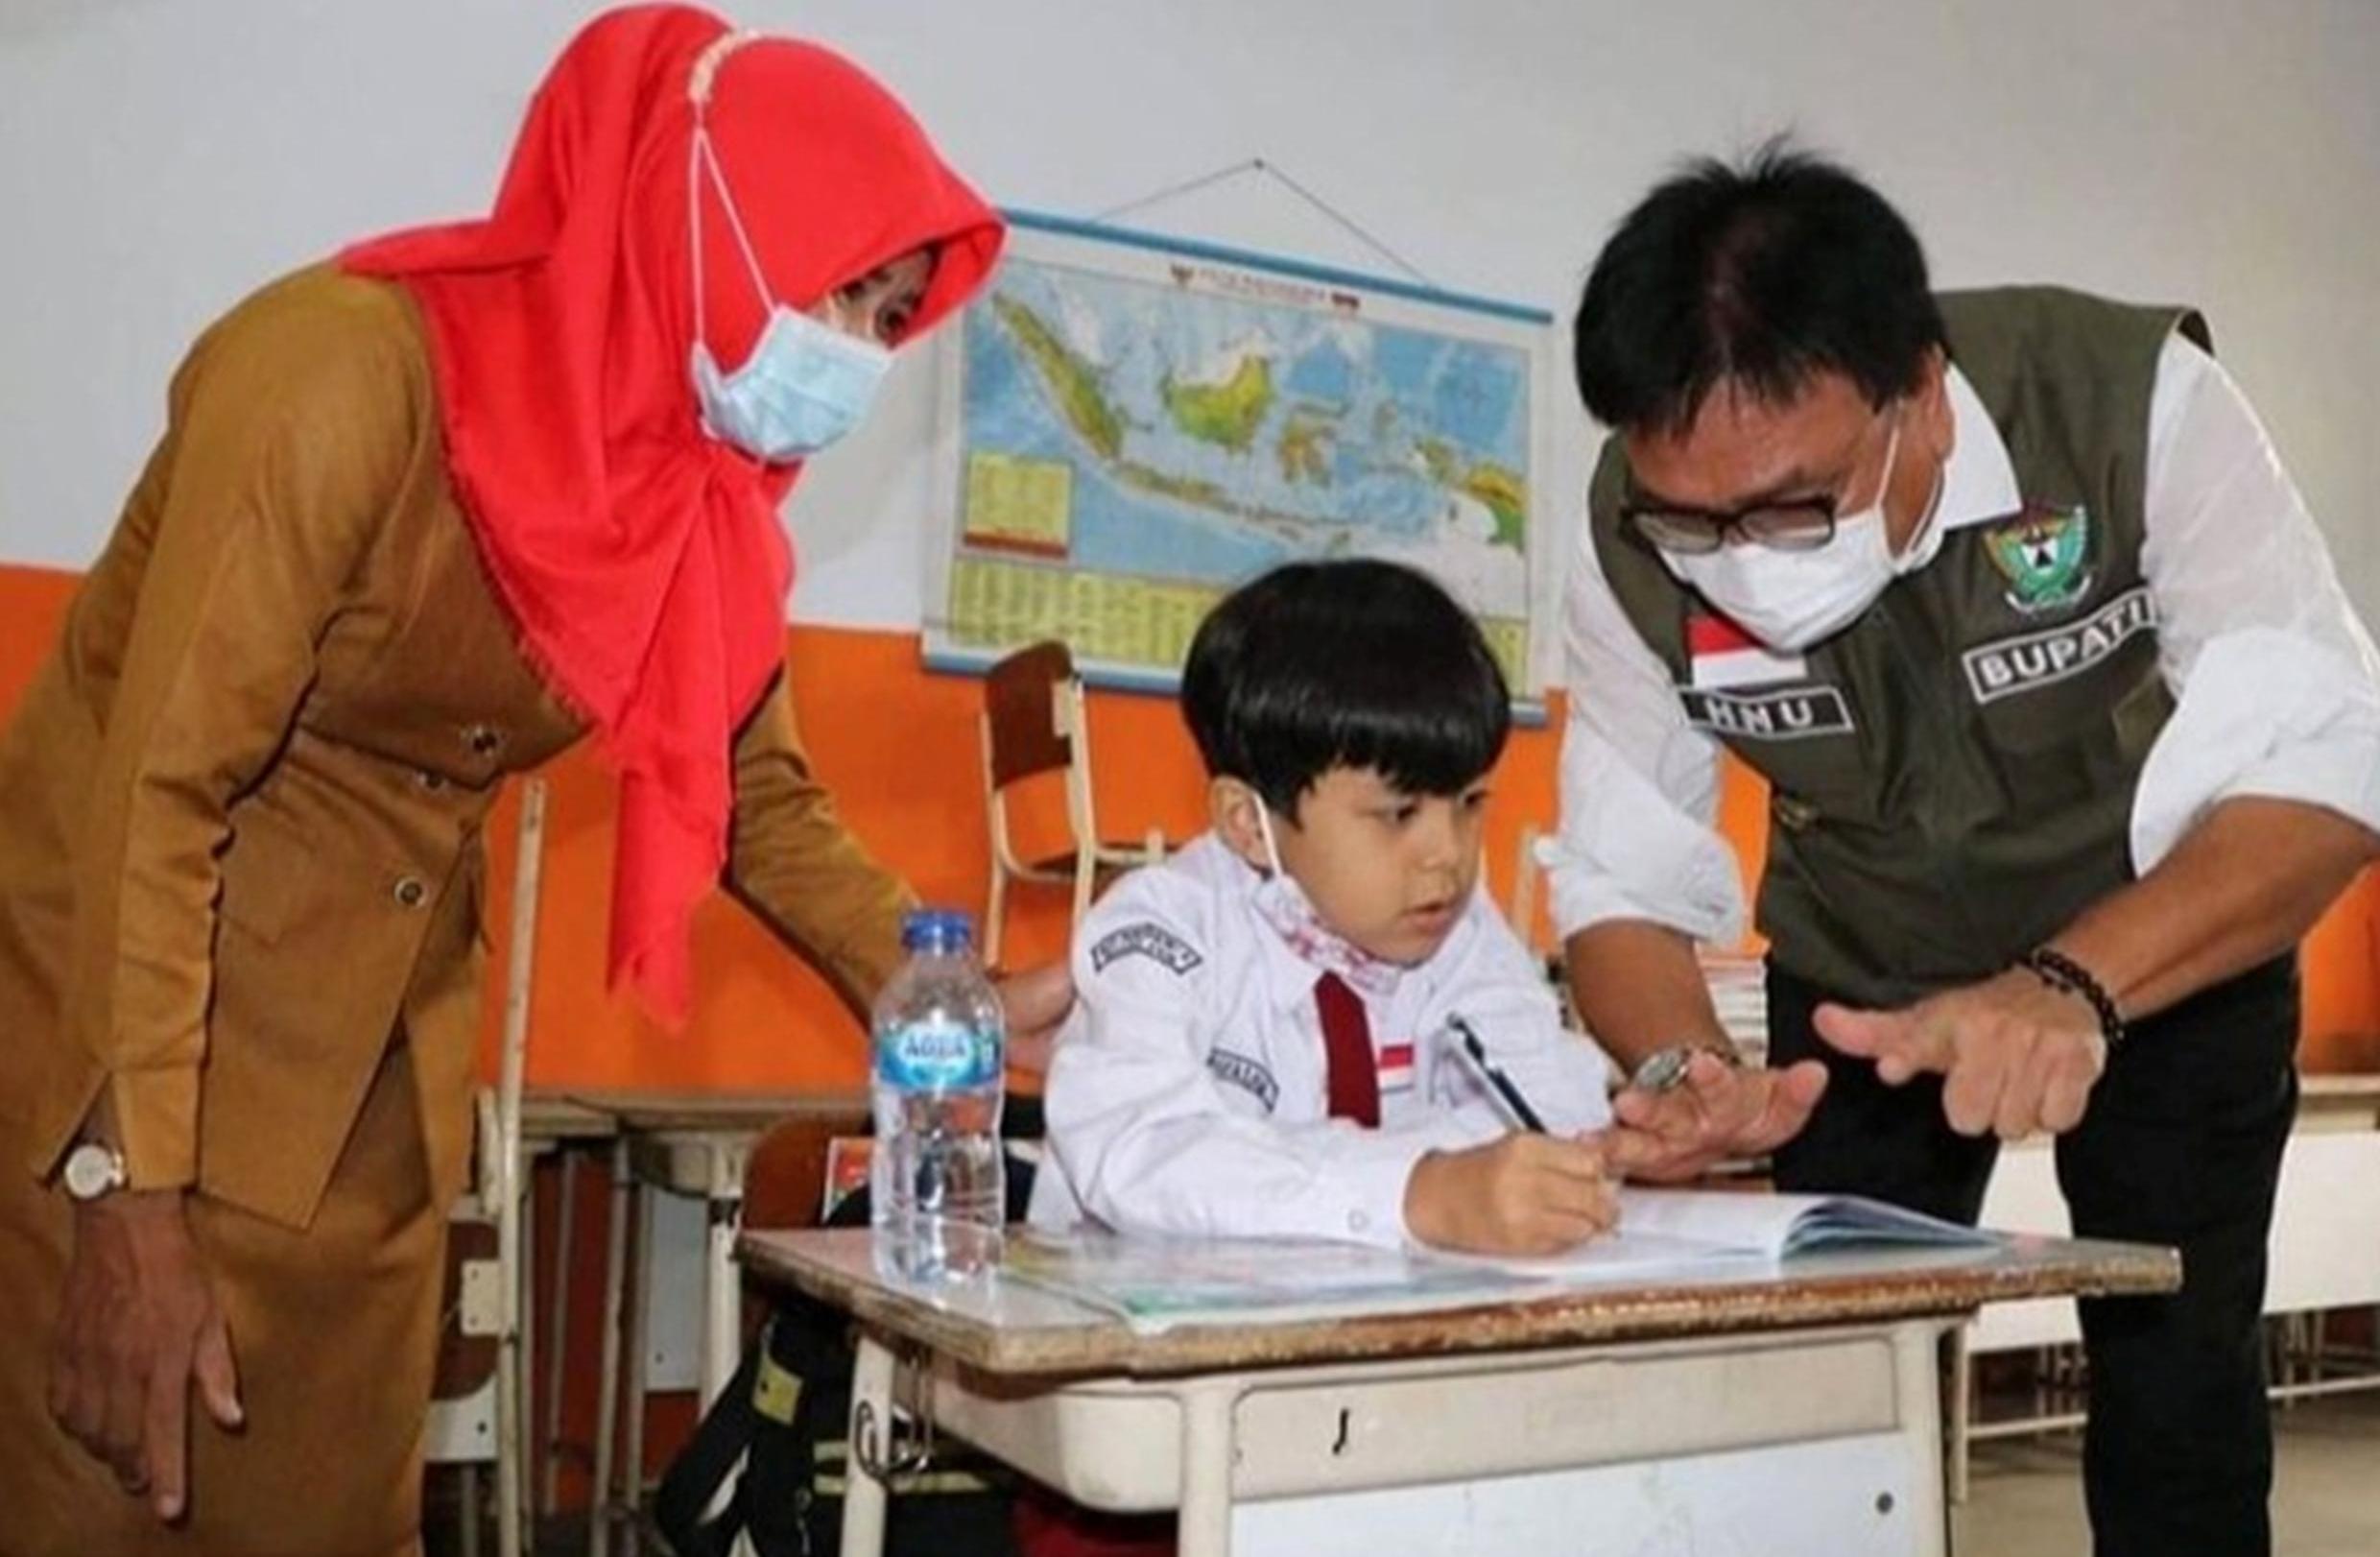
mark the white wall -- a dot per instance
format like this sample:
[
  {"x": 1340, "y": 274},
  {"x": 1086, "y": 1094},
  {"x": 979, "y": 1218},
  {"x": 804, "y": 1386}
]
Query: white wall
[{"x": 158, "y": 157}]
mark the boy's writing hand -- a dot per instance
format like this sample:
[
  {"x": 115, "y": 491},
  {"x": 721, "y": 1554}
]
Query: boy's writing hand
[{"x": 1523, "y": 1194}]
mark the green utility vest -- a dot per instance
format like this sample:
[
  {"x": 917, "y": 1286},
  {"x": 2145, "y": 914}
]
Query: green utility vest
[{"x": 1952, "y": 776}]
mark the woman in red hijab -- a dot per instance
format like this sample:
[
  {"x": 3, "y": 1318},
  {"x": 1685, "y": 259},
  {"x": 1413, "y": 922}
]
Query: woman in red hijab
[{"x": 419, "y": 518}]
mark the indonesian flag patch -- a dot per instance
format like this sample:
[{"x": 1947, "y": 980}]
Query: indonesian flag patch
[{"x": 1724, "y": 655}]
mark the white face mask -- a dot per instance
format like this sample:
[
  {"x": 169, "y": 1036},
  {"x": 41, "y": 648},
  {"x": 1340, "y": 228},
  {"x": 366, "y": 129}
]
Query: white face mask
[
  {"x": 1294, "y": 918},
  {"x": 1792, "y": 599}
]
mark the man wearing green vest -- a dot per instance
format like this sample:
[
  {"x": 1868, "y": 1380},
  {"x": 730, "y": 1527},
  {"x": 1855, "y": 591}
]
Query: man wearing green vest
[{"x": 2070, "y": 733}]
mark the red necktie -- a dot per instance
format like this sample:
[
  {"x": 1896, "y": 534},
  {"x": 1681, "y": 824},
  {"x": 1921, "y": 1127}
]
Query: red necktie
[{"x": 1354, "y": 1068}]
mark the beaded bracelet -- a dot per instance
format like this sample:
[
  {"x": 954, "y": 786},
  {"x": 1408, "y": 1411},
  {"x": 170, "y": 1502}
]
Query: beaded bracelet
[{"x": 2062, "y": 973}]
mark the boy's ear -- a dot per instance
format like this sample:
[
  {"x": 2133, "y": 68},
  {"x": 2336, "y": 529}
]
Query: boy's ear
[{"x": 1231, "y": 807}]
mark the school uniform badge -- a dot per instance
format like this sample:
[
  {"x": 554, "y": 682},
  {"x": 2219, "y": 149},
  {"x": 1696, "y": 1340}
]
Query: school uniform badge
[
  {"x": 2042, "y": 552},
  {"x": 1250, "y": 1076},
  {"x": 1153, "y": 941}
]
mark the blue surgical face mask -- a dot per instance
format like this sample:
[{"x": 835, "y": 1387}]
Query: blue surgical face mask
[{"x": 805, "y": 384}]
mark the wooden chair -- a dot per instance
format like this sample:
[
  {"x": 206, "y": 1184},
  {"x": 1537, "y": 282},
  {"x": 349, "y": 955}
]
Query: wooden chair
[
  {"x": 785, "y": 1179},
  {"x": 1034, "y": 723}
]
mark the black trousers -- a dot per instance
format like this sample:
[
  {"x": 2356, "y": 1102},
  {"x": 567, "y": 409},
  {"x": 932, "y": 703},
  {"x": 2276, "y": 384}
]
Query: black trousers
[{"x": 2181, "y": 1145}]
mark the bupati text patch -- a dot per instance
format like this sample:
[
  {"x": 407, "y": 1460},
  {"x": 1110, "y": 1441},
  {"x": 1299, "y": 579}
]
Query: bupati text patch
[
  {"x": 1153, "y": 941},
  {"x": 2032, "y": 660},
  {"x": 1791, "y": 714}
]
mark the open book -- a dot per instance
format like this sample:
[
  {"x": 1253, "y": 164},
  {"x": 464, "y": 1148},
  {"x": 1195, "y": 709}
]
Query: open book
[
  {"x": 1664, "y": 1235},
  {"x": 1673, "y": 1232}
]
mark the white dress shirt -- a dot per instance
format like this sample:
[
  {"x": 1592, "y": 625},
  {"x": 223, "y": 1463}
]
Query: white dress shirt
[
  {"x": 1188, "y": 1090},
  {"x": 2276, "y": 681}
]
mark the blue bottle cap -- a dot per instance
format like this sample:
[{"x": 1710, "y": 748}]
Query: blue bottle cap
[{"x": 936, "y": 929}]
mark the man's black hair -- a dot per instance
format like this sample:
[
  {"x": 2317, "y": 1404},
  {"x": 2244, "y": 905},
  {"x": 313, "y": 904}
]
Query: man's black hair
[
  {"x": 1352, "y": 663},
  {"x": 1758, "y": 276}
]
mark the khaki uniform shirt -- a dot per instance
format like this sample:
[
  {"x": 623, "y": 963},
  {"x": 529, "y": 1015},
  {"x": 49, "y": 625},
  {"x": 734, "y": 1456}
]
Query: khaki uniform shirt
[{"x": 241, "y": 804}]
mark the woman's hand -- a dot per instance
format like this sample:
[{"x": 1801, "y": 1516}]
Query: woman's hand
[
  {"x": 137, "y": 1327},
  {"x": 1035, "y": 1001}
]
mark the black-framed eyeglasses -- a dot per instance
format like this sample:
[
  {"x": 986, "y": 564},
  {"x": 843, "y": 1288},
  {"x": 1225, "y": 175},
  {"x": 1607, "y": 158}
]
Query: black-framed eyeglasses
[
  {"x": 1803, "y": 524},
  {"x": 1799, "y": 526}
]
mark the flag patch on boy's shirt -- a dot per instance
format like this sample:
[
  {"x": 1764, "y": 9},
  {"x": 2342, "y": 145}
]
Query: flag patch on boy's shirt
[
  {"x": 1397, "y": 1067},
  {"x": 1724, "y": 655}
]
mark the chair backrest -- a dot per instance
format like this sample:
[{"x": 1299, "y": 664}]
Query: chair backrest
[
  {"x": 1020, "y": 713},
  {"x": 785, "y": 1175}
]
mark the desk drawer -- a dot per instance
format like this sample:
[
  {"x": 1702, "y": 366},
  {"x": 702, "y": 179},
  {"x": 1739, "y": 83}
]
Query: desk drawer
[{"x": 1299, "y": 1431}]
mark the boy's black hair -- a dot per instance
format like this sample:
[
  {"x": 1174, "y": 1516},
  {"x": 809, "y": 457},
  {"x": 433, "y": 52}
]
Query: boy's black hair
[
  {"x": 1352, "y": 663},
  {"x": 1759, "y": 275}
]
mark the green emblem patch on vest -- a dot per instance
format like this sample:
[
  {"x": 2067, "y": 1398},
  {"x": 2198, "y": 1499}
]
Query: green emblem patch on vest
[{"x": 2042, "y": 552}]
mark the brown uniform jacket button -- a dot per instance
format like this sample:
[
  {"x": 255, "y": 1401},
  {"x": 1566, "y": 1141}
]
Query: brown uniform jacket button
[{"x": 409, "y": 892}]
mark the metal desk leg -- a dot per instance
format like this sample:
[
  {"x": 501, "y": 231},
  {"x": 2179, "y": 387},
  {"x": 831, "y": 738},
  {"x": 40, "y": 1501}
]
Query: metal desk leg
[
  {"x": 1916, "y": 1366},
  {"x": 1207, "y": 1407},
  {"x": 639, "y": 1359},
  {"x": 468, "y": 1532},
  {"x": 517, "y": 1452},
  {"x": 607, "y": 1394},
  {"x": 556, "y": 1327},
  {"x": 1962, "y": 1412},
  {"x": 722, "y": 1296},
  {"x": 872, "y": 1422},
  {"x": 722, "y": 1289}
]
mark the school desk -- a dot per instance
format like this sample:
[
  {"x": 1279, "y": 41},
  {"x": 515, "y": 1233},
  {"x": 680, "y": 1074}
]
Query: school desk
[{"x": 1793, "y": 1407}]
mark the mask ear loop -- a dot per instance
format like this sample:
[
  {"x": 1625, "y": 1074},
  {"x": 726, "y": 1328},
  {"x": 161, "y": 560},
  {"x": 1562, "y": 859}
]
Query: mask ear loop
[
  {"x": 1926, "y": 539},
  {"x": 1264, "y": 830},
  {"x": 1892, "y": 457},
  {"x": 701, "y": 156}
]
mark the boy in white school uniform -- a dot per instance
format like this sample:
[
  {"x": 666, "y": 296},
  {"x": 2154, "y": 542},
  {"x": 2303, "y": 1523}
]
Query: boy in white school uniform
[{"x": 1266, "y": 1038}]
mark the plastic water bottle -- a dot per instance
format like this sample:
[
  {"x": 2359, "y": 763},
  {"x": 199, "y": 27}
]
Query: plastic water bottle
[{"x": 936, "y": 1180}]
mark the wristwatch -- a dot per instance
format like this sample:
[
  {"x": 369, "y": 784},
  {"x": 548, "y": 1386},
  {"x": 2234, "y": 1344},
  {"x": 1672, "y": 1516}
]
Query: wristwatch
[
  {"x": 93, "y": 1170},
  {"x": 1664, "y": 1071}
]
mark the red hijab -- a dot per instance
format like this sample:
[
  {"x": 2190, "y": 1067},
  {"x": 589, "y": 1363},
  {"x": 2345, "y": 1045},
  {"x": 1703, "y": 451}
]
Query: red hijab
[{"x": 642, "y": 561}]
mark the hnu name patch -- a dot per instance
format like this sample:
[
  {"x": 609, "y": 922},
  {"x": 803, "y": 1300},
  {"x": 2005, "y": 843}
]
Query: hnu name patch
[
  {"x": 1794, "y": 713},
  {"x": 2032, "y": 660}
]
